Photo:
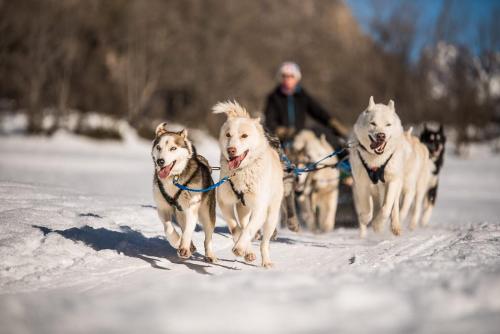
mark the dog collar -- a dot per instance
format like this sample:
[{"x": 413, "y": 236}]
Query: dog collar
[{"x": 375, "y": 173}]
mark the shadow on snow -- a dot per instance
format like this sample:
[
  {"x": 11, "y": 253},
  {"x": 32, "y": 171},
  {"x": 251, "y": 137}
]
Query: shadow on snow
[{"x": 131, "y": 243}]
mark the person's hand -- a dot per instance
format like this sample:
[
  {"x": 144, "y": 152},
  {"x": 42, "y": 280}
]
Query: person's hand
[{"x": 284, "y": 132}]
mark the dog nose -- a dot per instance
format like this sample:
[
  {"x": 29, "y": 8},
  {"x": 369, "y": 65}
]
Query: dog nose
[
  {"x": 380, "y": 136},
  {"x": 231, "y": 151},
  {"x": 160, "y": 162}
]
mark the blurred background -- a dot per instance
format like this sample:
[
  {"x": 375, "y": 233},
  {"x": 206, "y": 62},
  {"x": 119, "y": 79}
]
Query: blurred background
[{"x": 87, "y": 65}]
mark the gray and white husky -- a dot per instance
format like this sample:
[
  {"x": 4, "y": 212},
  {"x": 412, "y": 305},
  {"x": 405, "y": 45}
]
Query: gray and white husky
[
  {"x": 255, "y": 188},
  {"x": 175, "y": 158}
]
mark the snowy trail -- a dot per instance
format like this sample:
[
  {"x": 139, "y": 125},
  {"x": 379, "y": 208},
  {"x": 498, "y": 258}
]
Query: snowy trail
[{"x": 82, "y": 251}]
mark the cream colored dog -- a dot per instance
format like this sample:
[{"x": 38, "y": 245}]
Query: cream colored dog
[
  {"x": 378, "y": 157},
  {"x": 255, "y": 188},
  {"x": 321, "y": 187},
  {"x": 418, "y": 170}
]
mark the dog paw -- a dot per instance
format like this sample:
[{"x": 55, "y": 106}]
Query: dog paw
[
  {"x": 238, "y": 251},
  {"x": 377, "y": 227},
  {"x": 250, "y": 257},
  {"x": 412, "y": 226},
  {"x": 293, "y": 224},
  {"x": 362, "y": 232},
  {"x": 184, "y": 253},
  {"x": 396, "y": 230},
  {"x": 211, "y": 259},
  {"x": 192, "y": 248},
  {"x": 267, "y": 264}
]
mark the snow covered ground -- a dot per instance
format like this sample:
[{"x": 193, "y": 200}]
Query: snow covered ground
[{"x": 81, "y": 251}]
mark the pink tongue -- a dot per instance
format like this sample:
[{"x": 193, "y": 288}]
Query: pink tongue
[
  {"x": 376, "y": 144},
  {"x": 163, "y": 173},
  {"x": 235, "y": 163}
]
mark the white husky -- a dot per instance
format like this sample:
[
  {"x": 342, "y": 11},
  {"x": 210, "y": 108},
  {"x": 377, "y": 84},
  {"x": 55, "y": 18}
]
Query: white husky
[
  {"x": 378, "y": 160},
  {"x": 256, "y": 181},
  {"x": 321, "y": 188},
  {"x": 418, "y": 170}
]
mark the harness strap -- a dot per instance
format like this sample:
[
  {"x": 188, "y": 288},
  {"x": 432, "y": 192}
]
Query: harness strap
[
  {"x": 239, "y": 194},
  {"x": 375, "y": 174},
  {"x": 174, "y": 201}
]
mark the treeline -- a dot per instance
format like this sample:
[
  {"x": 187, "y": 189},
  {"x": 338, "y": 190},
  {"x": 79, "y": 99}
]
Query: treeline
[{"x": 173, "y": 59}]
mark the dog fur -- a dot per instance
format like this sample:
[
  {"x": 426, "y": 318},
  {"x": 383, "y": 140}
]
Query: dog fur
[
  {"x": 435, "y": 140},
  {"x": 320, "y": 188},
  {"x": 417, "y": 174},
  {"x": 256, "y": 187},
  {"x": 378, "y": 148},
  {"x": 175, "y": 156}
]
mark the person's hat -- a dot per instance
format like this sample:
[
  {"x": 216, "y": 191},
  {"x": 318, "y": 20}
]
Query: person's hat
[{"x": 289, "y": 68}]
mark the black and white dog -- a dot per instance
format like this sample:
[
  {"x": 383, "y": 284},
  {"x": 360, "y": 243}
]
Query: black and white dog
[{"x": 435, "y": 141}]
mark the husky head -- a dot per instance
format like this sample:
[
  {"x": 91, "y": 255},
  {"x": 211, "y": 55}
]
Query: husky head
[
  {"x": 434, "y": 140},
  {"x": 171, "y": 151},
  {"x": 377, "y": 125},
  {"x": 241, "y": 137}
]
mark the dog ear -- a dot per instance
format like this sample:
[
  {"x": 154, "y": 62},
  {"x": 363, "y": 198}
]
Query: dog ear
[
  {"x": 161, "y": 129},
  {"x": 183, "y": 133},
  {"x": 371, "y": 103},
  {"x": 391, "y": 104}
]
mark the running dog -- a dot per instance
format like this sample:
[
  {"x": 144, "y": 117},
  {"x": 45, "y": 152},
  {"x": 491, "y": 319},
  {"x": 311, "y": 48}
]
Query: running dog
[
  {"x": 377, "y": 156},
  {"x": 417, "y": 173},
  {"x": 435, "y": 142},
  {"x": 320, "y": 189},
  {"x": 255, "y": 186},
  {"x": 176, "y": 160}
]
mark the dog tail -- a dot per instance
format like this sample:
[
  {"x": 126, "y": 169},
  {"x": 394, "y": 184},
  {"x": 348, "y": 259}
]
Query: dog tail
[{"x": 231, "y": 109}]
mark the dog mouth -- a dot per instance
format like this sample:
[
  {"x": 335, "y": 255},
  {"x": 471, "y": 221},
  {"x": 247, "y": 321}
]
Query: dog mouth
[
  {"x": 377, "y": 145},
  {"x": 235, "y": 162},
  {"x": 164, "y": 172}
]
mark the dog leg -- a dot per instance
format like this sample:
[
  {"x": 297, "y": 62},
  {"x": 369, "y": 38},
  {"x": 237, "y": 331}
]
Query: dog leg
[
  {"x": 268, "y": 229},
  {"x": 248, "y": 232},
  {"x": 364, "y": 208},
  {"x": 428, "y": 206},
  {"x": 244, "y": 216},
  {"x": 173, "y": 237},
  {"x": 228, "y": 214},
  {"x": 392, "y": 195},
  {"x": 408, "y": 198},
  {"x": 327, "y": 211},
  {"x": 207, "y": 217},
  {"x": 189, "y": 219},
  {"x": 417, "y": 209},
  {"x": 395, "y": 225},
  {"x": 291, "y": 212}
]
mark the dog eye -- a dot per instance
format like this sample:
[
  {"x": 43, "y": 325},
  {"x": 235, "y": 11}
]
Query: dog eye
[
  {"x": 228, "y": 135},
  {"x": 173, "y": 148},
  {"x": 373, "y": 123},
  {"x": 244, "y": 135},
  {"x": 388, "y": 124},
  {"x": 158, "y": 147}
]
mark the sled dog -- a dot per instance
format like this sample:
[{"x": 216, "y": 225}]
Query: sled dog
[
  {"x": 255, "y": 187},
  {"x": 435, "y": 142},
  {"x": 320, "y": 189},
  {"x": 175, "y": 159},
  {"x": 377, "y": 156},
  {"x": 416, "y": 179}
]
